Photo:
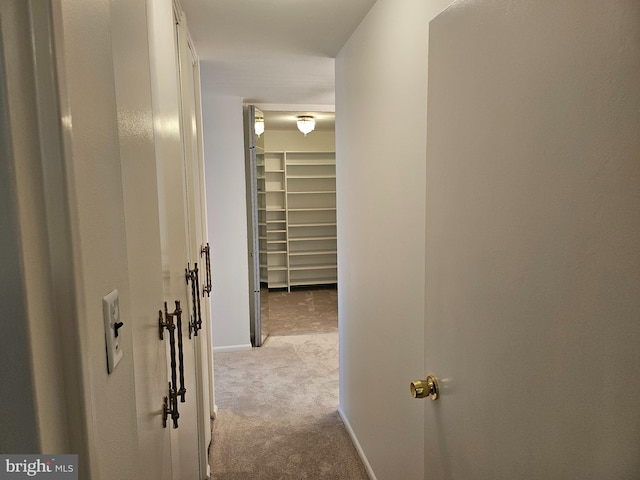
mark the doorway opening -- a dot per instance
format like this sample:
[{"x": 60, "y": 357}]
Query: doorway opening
[
  {"x": 293, "y": 375},
  {"x": 292, "y": 222}
]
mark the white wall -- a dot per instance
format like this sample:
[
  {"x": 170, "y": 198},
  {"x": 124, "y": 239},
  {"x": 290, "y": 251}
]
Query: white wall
[
  {"x": 32, "y": 409},
  {"x": 95, "y": 196},
  {"x": 227, "y": 220},
  {"x": 381, "y": 77},
  {"x": 293, "y": 140}
]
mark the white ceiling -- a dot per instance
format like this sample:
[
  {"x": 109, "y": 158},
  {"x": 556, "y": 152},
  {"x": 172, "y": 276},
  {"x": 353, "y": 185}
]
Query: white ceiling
[{"x": 276, "y": 53}]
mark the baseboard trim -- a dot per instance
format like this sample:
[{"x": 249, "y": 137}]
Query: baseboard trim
[
  {"x": 232, "y": 348},
  {"x": 356, "y": 444}
]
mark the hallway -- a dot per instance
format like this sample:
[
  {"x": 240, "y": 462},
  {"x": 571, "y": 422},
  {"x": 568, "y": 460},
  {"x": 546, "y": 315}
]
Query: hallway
[
  {"x": 277, "y": 404},
  {"x": 488, "y": 240}
]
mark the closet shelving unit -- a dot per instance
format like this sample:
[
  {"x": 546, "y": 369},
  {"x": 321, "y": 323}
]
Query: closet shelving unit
[
  {"x": 275, "y": 241},
  {"x": 299, "y": 219},
  {"x": 311, "y": 218},
  {"x": 262, "y": 217}
]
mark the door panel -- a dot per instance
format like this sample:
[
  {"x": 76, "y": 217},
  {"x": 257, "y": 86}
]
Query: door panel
[
  {"x": 140, "y": 189},
  {"x": 173, "y": 197},
  {"x": 197, "y": 234},
  {"x": 256, "y": 226},
  {"x": 532, "y": 259}
]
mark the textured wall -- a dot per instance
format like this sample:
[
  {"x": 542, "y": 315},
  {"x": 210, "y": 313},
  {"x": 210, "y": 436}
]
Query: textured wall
[
  {"x": 98, "y": 230},
  {"x": 381, "y": 76},
  {"x": 279, "y": 140},
  {"x": 18, "y": 156},
  {"x": 227, "y": 219}
]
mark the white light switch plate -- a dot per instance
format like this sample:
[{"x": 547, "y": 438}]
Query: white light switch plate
[{"x": 111, "y": 313}]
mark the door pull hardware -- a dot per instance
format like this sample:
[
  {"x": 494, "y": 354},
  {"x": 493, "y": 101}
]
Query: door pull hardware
[
  {"x": 170, "y": 408},
  {"x": 196, "y": 318},
  {"x": 162, "y": 324},
  {"x": 206, "y": 251},
  {"x": 178, "y": 313},
  {"x": 197, "y": 275},
  {"x": 177, "y": 367},
  {"x": 171, "y": 402},
  {"x": 425, "y": 388}
]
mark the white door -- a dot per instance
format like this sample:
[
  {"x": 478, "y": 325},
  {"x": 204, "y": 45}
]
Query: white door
[
  {"x": 199, "y": 266},
  {"x": 184, "y": 434},
  {"x": 257, "y": 227},
  {"x": 532, "y": 241},
  {"x": 174, "y": 196},
  {"x": 144, "y": 247}
]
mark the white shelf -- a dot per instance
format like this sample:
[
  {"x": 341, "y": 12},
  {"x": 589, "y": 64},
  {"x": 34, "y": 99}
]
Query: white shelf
[
  {"x": 299, "y": 203},
  {"x": 312, "y": 267},
  {"x": 314, "y": 159},
  {"x": 276, "y": 218},
  {"x": 313, "y": 252},
  {"x": 311, "y": 209},
  {"x": 313, "y": 281},
  {"x": 313, "y": 192},
  {"x": 294, "y": 225},
  {"x": 304, "y": 177},
  {"x": 306, "y": 239}
]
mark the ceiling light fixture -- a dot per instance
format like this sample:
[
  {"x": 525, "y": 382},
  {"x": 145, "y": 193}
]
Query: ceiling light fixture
[
  {"x": 259, "y": 126},
  {"x": 306, "y": 124}
]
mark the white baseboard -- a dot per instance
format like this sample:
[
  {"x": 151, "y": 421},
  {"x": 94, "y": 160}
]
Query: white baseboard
[
  {"x": 232, "y": 348},
  {"x": 356, "y": 444}
]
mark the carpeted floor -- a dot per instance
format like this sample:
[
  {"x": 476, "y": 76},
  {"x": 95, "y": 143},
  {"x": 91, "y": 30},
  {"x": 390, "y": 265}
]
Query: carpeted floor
[
  {"x": 301, "y": 311},
  {"x": 277, "y": 415}
]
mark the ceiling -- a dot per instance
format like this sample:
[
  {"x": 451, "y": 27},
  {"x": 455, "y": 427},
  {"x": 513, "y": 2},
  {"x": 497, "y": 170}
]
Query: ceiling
[{"x": 278, "y": 54}]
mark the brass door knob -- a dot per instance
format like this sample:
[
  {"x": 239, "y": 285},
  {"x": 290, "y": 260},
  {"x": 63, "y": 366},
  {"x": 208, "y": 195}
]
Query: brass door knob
[{"x": 425, "y": 388}]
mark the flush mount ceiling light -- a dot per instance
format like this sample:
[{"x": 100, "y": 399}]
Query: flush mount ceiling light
[
  {"x": 306, "y": 124},
  {"x": 259, "y": 126}
]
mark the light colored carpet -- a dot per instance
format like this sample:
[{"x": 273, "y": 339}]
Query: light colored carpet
[
  {"x": 301, "y": 311},
  {"x": 277, "y": 415}
]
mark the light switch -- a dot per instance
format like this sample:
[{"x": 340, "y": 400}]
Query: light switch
[{"x": 112, "y": 323}]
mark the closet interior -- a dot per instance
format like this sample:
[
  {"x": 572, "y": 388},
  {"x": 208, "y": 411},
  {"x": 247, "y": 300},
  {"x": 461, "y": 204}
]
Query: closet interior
[{"x": 296, "y": 182}]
